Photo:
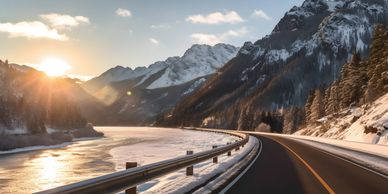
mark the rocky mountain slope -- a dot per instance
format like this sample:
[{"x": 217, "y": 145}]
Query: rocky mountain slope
[
  {"x": 348, "y": 108},
  {"x": 274, "y": 75},
  {"x": 139, "y": 96}
]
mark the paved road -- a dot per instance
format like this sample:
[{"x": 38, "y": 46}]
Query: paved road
[{"x": 288, "y": 166}]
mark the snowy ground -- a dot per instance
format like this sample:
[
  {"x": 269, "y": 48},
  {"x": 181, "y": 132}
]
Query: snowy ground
[
  {"x": 363, "y": 124},
  {"x": 178, "y": 182}
]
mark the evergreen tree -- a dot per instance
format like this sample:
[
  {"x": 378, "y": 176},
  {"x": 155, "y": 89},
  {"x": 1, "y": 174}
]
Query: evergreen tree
[
  {"x": 307, "y": 108},
  {"x": 377, "y": 65},
  {"x": 317, "y": 108},
  {"x": 352, "y": 82},
  {"x": 332, "y": 104}
]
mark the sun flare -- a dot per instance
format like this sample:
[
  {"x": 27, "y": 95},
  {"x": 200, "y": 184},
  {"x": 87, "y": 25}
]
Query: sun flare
[{"x": 54, "y": 67}]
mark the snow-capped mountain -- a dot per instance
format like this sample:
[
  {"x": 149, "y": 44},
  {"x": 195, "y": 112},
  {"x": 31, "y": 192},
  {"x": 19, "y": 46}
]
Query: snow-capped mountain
[
  {"x": 158, "y": 87},
  {"x": 117, "y": 73},
  {"x": 198, "y": 61},
  {"x": 306, "y": 49}
]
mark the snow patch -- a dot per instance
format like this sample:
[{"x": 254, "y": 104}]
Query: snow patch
[
  {"x": 178, "y": 182},
  {"x": 194, "y": 86},
  {"x": 363, "y": 124}
]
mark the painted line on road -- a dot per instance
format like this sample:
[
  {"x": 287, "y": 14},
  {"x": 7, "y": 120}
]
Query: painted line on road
[
  {"x": 320, "y": 179},
  {"x": 349, "y": 161},
  {"x": 245, "y": 170}
]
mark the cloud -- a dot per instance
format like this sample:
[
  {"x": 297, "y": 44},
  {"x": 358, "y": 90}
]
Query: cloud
[
  {"x": 154, "y": 41},
  {"x": 230, "y": 17},
  {"x": 160, "y": 26},
  {"x": 212, "y": 39},
  {"x": 64, "y": 21},
  {"x": 123, "y": 12},
  {"x": 33, "y": 29},
  {"x": 260, "y": 14}
]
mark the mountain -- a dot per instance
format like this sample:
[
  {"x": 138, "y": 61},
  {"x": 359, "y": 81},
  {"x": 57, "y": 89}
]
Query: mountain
[
  {"x": 39, "y": 110},
  {"x": 275, "y": 75},
  {"x": 31, "y": 102},
  {"x": 354, "y": 107},
  {"x": 139, "y": 96},
  {"x": 115, "y": 74}
]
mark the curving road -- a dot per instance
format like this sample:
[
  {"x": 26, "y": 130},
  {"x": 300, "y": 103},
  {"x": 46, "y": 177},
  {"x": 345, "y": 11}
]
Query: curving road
[{"x": 288, "y": 166}]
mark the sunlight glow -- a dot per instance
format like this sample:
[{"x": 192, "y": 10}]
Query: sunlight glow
[
  {"x": 50, "y": 168},
  {"x": 54, "y": 67}
]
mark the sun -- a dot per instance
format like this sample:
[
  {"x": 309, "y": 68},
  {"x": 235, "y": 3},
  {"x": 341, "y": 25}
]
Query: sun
[{"x": 54, "y": 67}]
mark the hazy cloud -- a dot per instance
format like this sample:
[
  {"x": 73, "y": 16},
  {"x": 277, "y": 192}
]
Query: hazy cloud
[
  {"x": 230, "y": 17},
  {"x": 212, "y": 39},
  {"x": 154, "y": 41},
  {"x": 261, "y": 14},
  {"x": 64, "y": 21},
  {"x": 123, "y": 12},
  {"x": 33, "y": 29},
  {"x": 160, "y": 26}
]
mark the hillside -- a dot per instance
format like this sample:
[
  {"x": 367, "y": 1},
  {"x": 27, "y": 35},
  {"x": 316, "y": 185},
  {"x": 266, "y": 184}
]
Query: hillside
[
  {"x": 354, "y": 107},
  {"x": 269, "y": 80},
  {"x": 368, "y": 123},
  {"x": 37, "y": 110}
]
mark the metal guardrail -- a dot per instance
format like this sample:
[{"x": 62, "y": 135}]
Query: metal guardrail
[{"x": 119, "y": 181}]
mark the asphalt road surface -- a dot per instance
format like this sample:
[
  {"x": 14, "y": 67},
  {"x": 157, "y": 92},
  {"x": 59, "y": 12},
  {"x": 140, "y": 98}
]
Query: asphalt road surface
[{"x": 287, "y": 166}]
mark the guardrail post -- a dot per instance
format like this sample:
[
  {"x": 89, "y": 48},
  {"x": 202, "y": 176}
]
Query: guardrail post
[
  {"x": 190, "y": 169},
  {"x": 238, "y": 147},
  {"x": 129, "y": 165},
  {"x": 229, "y": 152},
  {"x": 215, "y": 159}
]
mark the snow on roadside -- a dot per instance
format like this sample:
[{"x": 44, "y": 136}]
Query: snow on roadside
[
  {"x": 166, "y": 143},
  {"x": 178, "y": 182},
  {"x": 364, "y": 124}
]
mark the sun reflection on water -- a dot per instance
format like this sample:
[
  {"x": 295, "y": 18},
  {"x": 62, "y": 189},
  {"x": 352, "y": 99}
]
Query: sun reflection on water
[{"x": 50, "y": 167}]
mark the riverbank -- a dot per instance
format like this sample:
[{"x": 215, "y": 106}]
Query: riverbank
[{"x": 25, "y": 142}]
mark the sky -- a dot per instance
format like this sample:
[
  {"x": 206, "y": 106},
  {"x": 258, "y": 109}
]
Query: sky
[{"x": 95, "y": 35}]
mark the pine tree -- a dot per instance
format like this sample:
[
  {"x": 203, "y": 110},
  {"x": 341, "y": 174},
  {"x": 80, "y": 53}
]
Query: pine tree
[
  {"x": 332, "y": 104},
  {"x": 308, "y": 105},
  {"x": 317, "y": 107},
  {"x": 352, "y": 82},
  {"x": 377, "y": 65}
]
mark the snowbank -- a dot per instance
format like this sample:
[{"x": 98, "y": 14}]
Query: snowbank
[
  {"x": 178, "y": 182},
  {"x": 364, "y": 124}
]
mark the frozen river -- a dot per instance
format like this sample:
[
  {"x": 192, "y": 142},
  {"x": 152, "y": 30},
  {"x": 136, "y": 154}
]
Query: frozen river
[{"x": 33, "y": 171}]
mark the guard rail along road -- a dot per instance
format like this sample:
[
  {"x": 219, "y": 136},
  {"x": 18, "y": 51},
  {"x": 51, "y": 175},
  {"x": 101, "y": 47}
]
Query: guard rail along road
[{"x": 130, "y": 178}]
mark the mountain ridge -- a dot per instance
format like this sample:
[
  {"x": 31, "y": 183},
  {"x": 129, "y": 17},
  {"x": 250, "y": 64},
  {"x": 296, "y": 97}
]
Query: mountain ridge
[
  {"x": 279, "y": 70},
  {"x": 161, "y": 85}
]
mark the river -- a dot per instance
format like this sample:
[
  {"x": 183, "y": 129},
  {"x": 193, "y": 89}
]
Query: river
[{"x": 33, "y": 171}]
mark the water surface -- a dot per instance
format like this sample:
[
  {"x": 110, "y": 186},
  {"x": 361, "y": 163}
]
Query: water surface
[{"x": 39, "y": 170}]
